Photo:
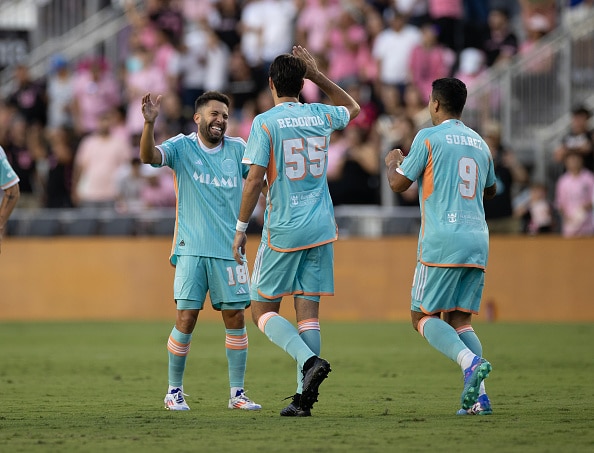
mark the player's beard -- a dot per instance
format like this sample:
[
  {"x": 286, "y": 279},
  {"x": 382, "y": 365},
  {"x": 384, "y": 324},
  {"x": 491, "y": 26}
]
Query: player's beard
[{"x": 212, "y": 136}]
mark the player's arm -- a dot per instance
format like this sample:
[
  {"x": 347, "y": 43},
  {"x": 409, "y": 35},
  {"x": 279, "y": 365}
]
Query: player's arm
[
  {"x": 9, "y": 201},
  {"x": 336, "y": 94},
  {"x": 253, "y": 187},
  {"x": 398, "y": 182},
  {"x": 490, "y": 192},
  {"x": 149, "y": 154}
]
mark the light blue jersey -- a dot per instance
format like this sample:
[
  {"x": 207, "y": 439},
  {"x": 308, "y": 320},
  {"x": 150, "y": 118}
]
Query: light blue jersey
[
  {"x": 299, "y": 212},
  {"x": 208, "y": 184},
  {"x": 452, "y": 165},
  {"x": 8, "y": 177}
]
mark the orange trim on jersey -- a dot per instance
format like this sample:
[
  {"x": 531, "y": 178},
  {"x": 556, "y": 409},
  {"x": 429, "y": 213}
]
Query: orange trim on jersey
[
  {"x": 176, "y": 218},
  {"x": 294, "y": 293},
  {"x": 451, "y": 265},
  {"x": 271, "y": 172},
  {"x": 431, "y": 313},
  {"x": 277, "y": 249},
  {"x": 428, "y": 188},
  {"x": 329, "y": 118}
]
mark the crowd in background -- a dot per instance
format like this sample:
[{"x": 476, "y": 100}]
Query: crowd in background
[{"x": 73, "y": 136}]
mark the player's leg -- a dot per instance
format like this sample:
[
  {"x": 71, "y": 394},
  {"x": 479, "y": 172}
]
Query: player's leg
[
  {"x": 437, "y": 290},
  {"x": 308, "y": 326},
  {"x": 178, "y": 347},
  {"x": 189, "y": 291},
  {"x": 229, "y": 293},
  {"x": 462, "y": 323}
]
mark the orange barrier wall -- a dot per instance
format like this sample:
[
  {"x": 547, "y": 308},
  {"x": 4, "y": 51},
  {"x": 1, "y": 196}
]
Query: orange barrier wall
[{"x": 528, "y": 279}]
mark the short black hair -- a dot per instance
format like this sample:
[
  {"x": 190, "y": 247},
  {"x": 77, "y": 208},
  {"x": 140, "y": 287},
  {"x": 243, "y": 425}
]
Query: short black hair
[
  {"x": 287, "y": 73},
  {"x": 451, "y": 94},
  {"x": 208, "y": 96},
  {"x": 581, "y": 110}
]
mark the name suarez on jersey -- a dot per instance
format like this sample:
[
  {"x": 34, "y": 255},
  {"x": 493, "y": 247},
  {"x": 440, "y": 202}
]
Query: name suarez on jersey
[
  {"x": 453, "y": 139},
  {"x": 300, "y": 121}
]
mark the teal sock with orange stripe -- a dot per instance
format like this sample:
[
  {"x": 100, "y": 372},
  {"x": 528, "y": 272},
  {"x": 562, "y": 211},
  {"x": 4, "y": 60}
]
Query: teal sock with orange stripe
[
  {"x": 236, "y": 347},
  {"x": 309, "y": 331},
  {"x": 282, "y": 333},
  {"x": 178, "y": 347}
]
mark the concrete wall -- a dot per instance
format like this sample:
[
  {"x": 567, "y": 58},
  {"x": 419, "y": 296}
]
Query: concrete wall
[{"x": 528, "y": 279}]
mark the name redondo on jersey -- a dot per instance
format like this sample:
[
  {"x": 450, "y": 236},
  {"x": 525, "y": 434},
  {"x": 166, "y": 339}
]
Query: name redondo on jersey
[
  {"x": 453, "y": 139},
  {"x": 300, "y": 121}
]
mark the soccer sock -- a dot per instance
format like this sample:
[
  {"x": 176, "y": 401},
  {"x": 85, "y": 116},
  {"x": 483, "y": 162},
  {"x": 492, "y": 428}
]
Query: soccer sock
[
  {"x": 442, "y": 337},
  {"x": 309, "y": 331},
  {"x": 283, "y": 334},
  {"x": 471, "y": 340},
  {"x": 178, "y": 346},
  {"x": 236, "y": 346}
]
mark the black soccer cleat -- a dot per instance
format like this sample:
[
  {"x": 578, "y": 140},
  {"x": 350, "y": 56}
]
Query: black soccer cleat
[
  {"x": 294, "y": 409},
  {"x": 315, "y": 370}
]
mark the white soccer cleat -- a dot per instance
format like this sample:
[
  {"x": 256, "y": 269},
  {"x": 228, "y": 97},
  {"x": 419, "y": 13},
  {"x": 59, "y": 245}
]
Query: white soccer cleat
[
  {"x": 174, "y": 401},
  {"x": 241, "y": 401}
]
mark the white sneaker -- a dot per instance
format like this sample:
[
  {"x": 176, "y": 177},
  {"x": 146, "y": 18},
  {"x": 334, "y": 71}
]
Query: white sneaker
[
  {"x": 241, "y": 401},
  {"x": 174, "y": 401}
]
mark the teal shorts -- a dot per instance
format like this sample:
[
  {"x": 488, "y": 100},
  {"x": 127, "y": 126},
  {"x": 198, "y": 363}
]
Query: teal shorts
[
  {"x": 307, "y": 273},
  {"x": 445, "y": 289},
  {"x": 226, "y": 282}
]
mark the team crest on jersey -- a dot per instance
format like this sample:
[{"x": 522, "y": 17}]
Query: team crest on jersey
[{"x": 229, "y": 167}]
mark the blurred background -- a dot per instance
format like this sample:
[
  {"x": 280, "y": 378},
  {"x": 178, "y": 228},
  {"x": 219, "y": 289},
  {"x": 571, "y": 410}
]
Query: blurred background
[{"x": 72, "y": 74}]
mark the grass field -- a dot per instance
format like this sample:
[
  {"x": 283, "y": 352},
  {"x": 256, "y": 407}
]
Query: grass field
[{"x": 98, "y": 387}]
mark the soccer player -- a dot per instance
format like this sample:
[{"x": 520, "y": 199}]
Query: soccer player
[
  {"x": 454, "y": 170},
  {"x": 208, "y": 181},
  {"x": 288, "y": 145},
  {"x": 9, "y": 183}
]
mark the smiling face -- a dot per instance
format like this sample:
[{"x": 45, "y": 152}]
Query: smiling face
[{"x": 212, "y": 121}]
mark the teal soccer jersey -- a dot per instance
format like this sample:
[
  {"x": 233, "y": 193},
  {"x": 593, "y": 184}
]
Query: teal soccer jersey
[
  {"x": 208, "y": 184},
  {"x": 452, "y": 165},
  {"x": 299, "y": 212},
  {"x": 8, "y": 177}
]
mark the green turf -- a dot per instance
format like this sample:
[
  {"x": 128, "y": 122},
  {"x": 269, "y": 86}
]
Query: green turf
[{"x": 98, "y": 387}]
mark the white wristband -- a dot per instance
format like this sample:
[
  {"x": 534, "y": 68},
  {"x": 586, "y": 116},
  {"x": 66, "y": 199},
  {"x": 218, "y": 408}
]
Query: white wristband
[{"x": 241, "y": 226}]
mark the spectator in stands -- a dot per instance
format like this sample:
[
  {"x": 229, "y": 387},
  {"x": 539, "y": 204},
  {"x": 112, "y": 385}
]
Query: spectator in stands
[
  {"x": 29, "y": 97},
  {"x": 267, "y": 29},
  {"x": 574, "y": 193},
  {"x": 58, "y": 184},
  {"x": 141, "y": 75},
  {"x": 348, "y": 51},
  {"x": 22, "y": 151},
  {"x": 578, "y": 139},
  {"x": 98, "y": 161},
  {"x": 9, "y": 184},
  {"x": 131, "y": 182},
  {"x": 359, "y": 172},
  {"x": 502, "y": 43},
  {"x": 429, "y": 60},
  {"x": 314, "y": 23},
  {"x": 393, "y": 66},
  {"x": 60, "y": 93},
  {"x": 96, "y": 91},
  {"x": 509, "y": 173},
  {"x": 224, "y": 21},
  {"x": 448, "y": 15},
  {"x": 535, "y": 210}
]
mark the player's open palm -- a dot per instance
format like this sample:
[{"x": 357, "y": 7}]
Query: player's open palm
[{"x": 150, "y": 109}]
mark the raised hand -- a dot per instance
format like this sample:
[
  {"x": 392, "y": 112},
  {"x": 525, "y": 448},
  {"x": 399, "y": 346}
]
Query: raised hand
[
  {"x": 150, "y": 109},
  {"x": 310, "y": 61}
]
